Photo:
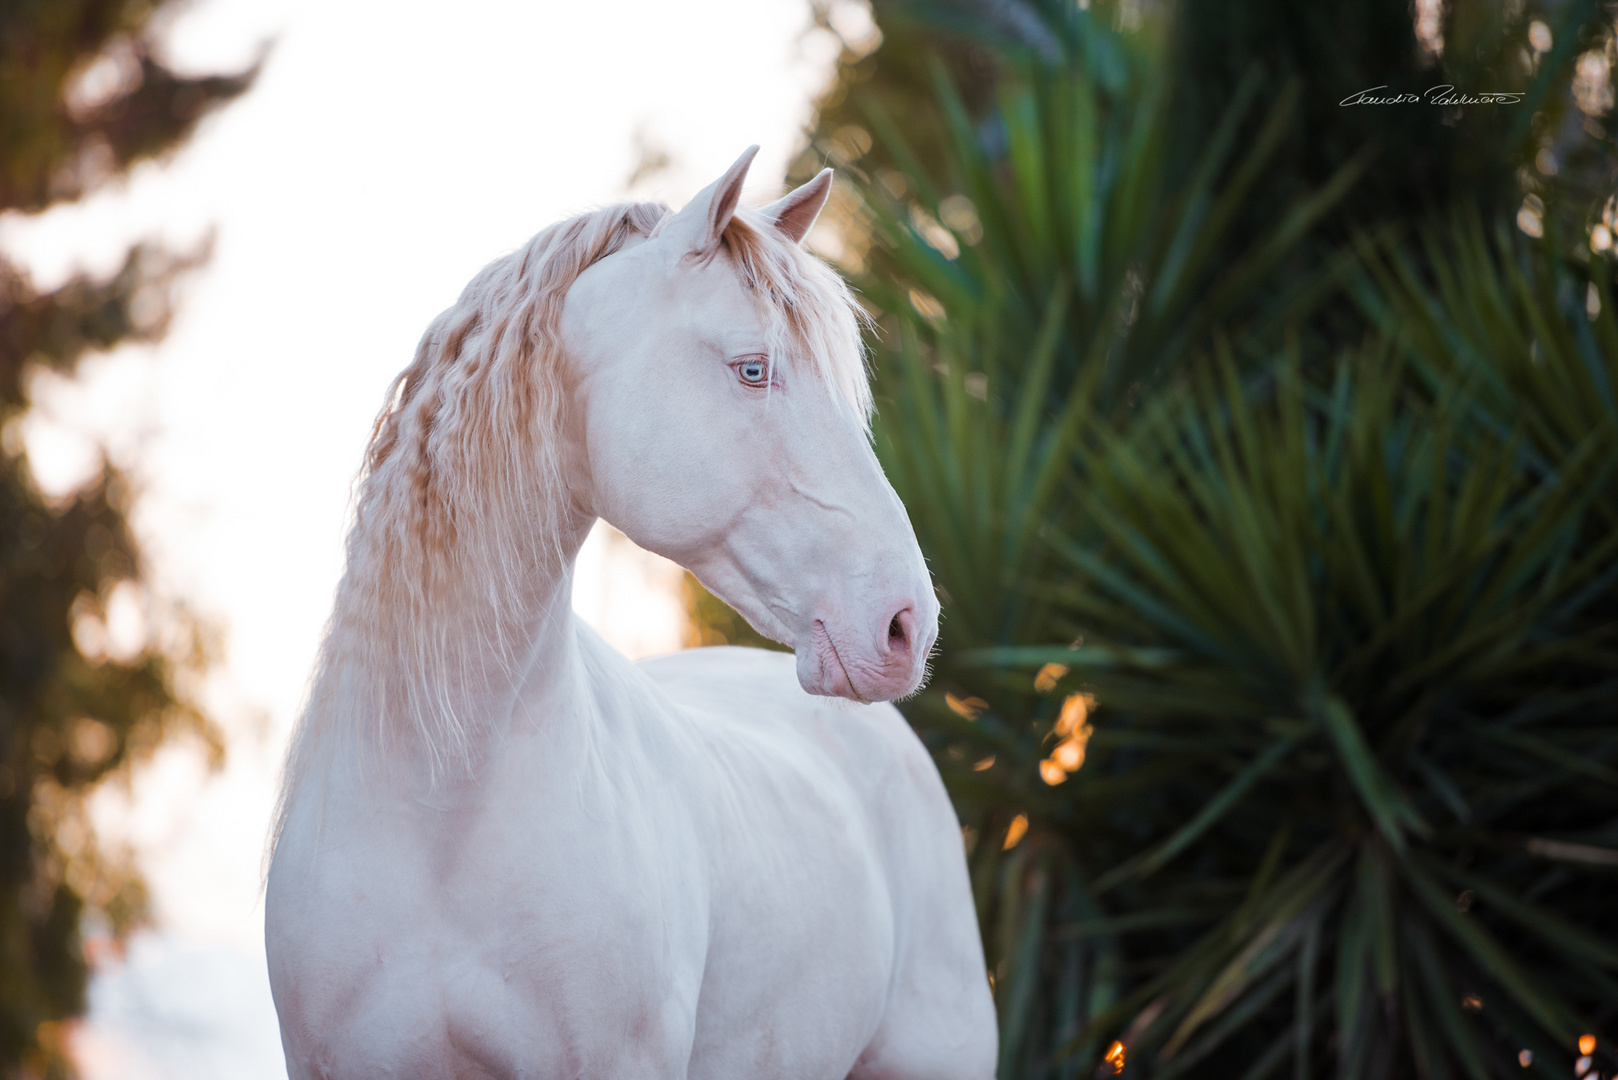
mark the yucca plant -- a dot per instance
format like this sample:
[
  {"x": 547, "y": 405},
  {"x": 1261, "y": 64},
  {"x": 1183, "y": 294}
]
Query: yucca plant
[
  {"x": 1041, "y": 280},
  {"x": 1051, "y": 270},
  {"x": 1351, "y": 804},
  {"x": 1531, "y": 338},
  {"x": 1341, "y": 639},
  {"x": 1064, "y": 182}
]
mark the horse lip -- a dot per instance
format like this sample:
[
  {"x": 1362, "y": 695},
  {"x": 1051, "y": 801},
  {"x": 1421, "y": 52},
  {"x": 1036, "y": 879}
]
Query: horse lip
[{"x": 820, "y": 629}]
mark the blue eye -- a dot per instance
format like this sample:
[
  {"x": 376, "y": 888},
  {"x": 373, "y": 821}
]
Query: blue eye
[{"x": 754, "y": 372}]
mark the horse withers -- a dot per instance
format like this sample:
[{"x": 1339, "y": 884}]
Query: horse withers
[{"x": 502, "y": 849}]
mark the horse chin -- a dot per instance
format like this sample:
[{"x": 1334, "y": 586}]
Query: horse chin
[{"x": 820, "y": 669}]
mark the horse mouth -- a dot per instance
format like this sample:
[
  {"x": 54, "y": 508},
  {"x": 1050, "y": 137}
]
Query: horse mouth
[{"x": 824, "y": 635}]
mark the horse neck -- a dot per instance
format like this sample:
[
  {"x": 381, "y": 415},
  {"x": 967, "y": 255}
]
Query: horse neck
[
  {"x": 545, "y": 648},
  {"x": 431, "y": 678}
]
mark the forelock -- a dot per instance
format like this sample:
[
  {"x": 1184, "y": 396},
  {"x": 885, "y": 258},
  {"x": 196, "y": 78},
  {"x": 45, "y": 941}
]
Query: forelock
[{"x": 814, "y": 307}]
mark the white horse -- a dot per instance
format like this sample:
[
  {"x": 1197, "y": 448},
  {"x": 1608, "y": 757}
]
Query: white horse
[{"x": 502, "y": 849}]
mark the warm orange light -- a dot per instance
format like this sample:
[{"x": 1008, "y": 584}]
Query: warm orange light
[
  {"x": 1048, "y": 677},
  {"x": 926, "y": 306},
  {"x": 1018, "y": 829},
  {"x": 984, "y": 764},
  {"x": 1525, "y": 1058},
  {"x": 1587, "y": 1045},
  {"x": 1075, "y": 710},
  {"x": 1051, "y": 772},
  {"x": 1115, "y": 1057},
  {"x": 1472, "y": 1003},
  {"x": 965, "y": 707},
  {"x": 1070, "y": 755}
]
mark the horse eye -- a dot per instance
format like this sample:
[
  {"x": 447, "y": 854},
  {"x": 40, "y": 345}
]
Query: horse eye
[{"x": 753, "y": 372}]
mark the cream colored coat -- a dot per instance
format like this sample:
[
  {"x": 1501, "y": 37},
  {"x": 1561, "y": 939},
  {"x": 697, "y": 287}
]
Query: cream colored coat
[{"x": 504, "y": 850}]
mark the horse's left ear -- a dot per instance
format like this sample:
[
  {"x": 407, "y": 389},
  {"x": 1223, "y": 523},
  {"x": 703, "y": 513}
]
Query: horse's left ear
[
  {"x": 794, "y": 214},
  {"x": 702, "y": 221}
]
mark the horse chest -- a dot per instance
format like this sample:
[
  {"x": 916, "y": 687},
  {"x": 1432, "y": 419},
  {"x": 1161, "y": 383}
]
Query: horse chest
[
  {"x": 708, "y": 906},
  {"x": 497, "y": 955}
]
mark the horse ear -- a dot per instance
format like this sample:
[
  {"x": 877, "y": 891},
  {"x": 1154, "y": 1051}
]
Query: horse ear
[
  {"x": 794, "y": 213},
  {"x": 702, "y": 221}
]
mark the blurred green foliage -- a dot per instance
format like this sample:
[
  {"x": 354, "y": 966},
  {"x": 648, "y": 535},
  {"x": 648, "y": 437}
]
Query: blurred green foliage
[
  {"x": 1425, "y": 159},
  {"x": 711, "y": 621},
  {"x": 1263, "y": 450},
  {"x": 82, "y": 99}
]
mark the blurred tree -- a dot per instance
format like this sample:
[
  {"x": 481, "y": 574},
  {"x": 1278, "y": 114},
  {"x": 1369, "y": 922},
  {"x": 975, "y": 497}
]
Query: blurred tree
[
  {"x": 83, "y": 97},
  {"x": 1552, "y": 153},
  {"x": 1553, "y": 143}
]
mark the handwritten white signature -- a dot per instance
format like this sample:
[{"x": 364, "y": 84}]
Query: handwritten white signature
[{"x": 1438, "y": 95}]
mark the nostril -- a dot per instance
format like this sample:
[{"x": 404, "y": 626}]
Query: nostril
[{"x": 899, "y": 631}]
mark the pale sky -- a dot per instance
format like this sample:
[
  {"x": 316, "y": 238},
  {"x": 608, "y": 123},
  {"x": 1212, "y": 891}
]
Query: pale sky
[{"x": 387, "y": 152}]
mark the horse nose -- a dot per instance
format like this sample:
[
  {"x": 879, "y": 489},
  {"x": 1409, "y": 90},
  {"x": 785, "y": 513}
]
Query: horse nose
[{"x": 891, "y": 663}]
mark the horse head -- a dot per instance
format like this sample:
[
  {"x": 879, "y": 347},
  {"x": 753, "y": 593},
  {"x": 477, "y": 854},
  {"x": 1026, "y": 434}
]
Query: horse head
[{"x": 719, "y": 416}]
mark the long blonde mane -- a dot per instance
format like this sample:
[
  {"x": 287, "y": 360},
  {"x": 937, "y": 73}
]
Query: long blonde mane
[{"x": 459, "y": 505}]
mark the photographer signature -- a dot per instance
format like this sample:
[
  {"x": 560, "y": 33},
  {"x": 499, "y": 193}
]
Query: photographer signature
[{"x": 1438, "y": 95}]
